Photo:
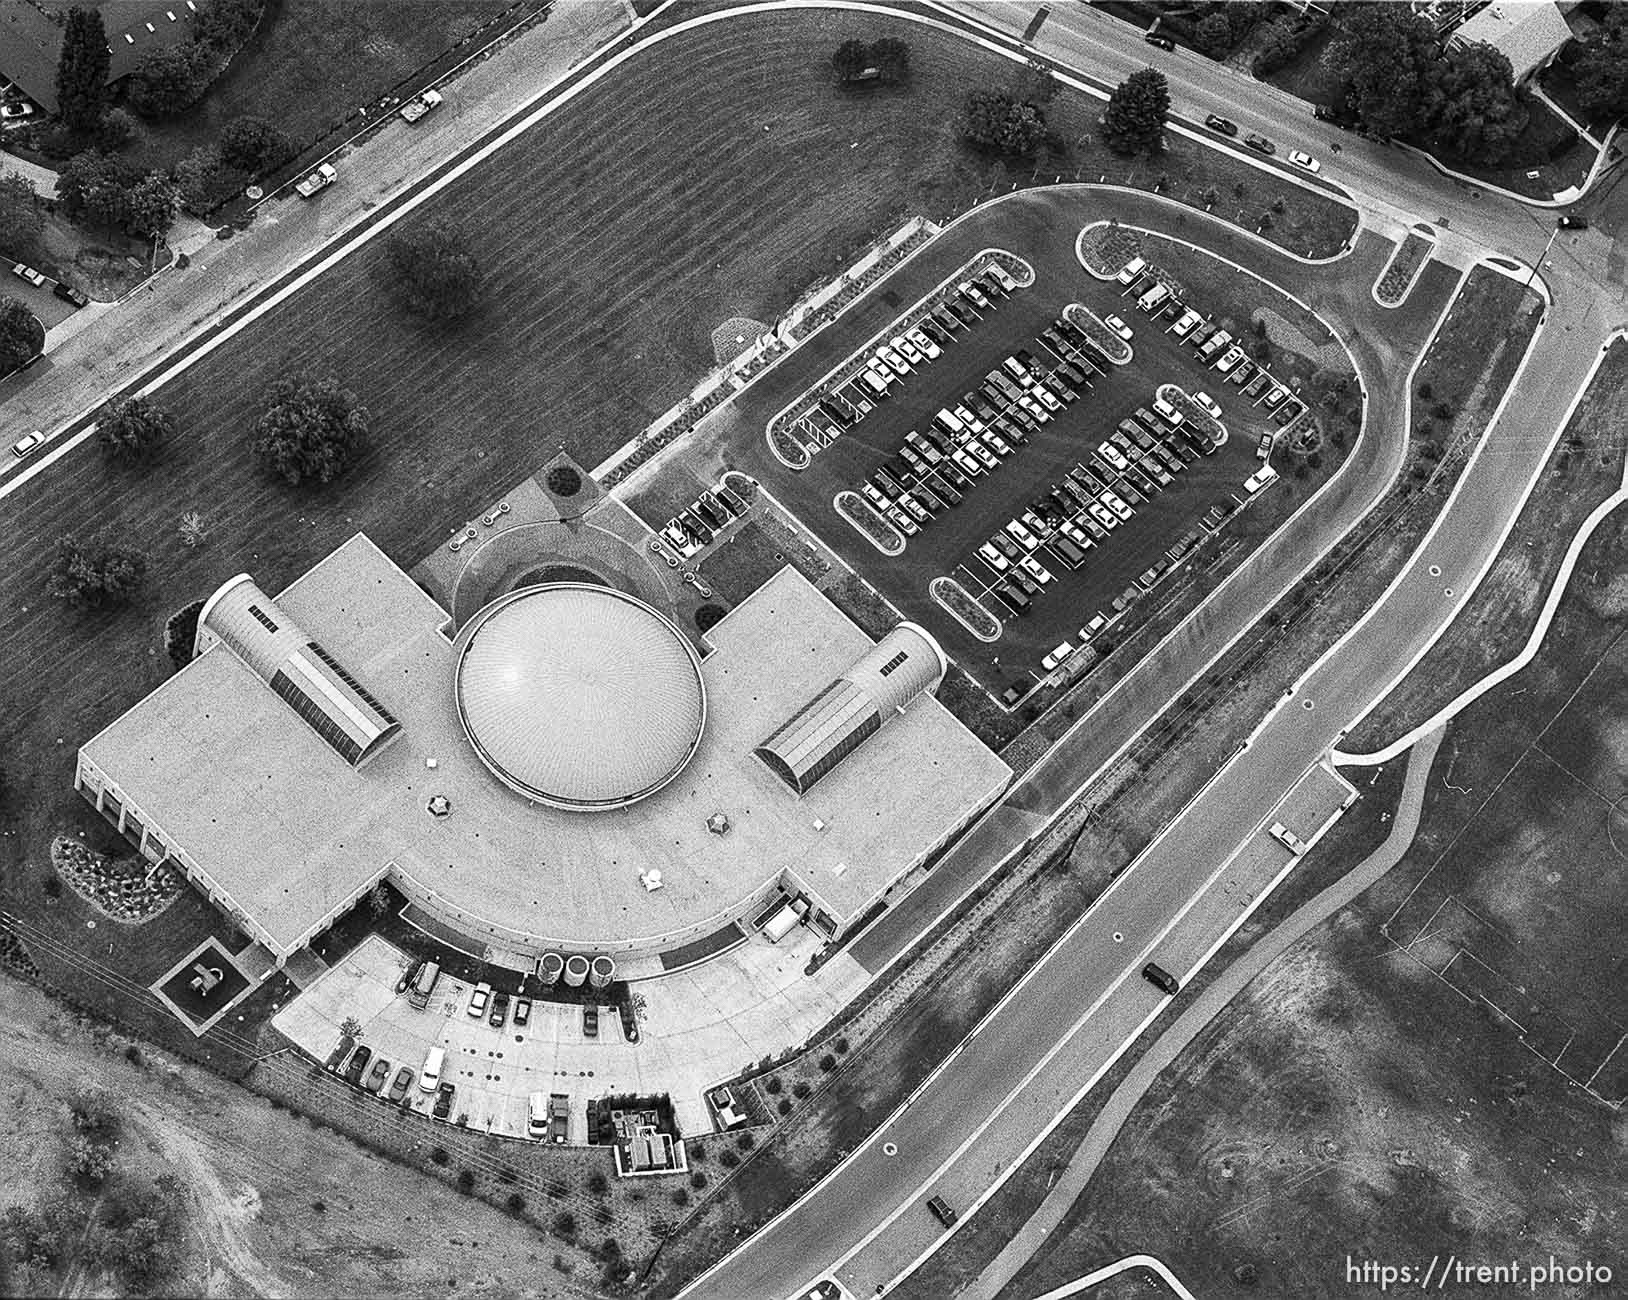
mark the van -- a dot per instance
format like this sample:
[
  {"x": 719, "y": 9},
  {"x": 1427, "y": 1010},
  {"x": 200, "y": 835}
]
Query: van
[
  {"x": 873, "y": 383},
  {"x": 1131, "y": 270},
  {"x": 1153, "y": 297},
  {"x": 418, "y": 996},
  {"x": 429, "y": 1075},
  {"x": 951, "y": 424},
  {"x": 1214, "y": 344},
  {"x": 537, "y": 1117}
]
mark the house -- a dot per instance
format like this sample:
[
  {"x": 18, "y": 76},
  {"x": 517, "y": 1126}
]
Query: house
[
  {"x": 31, "y": 39},
  {"x": 1526, "y": 32}
]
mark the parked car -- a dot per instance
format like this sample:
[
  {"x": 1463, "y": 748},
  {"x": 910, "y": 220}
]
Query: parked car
[
  {"x": 925, "y": 345},
  {"x": 906, "y": 349},
  {"x": 443, "y": 1101},
  {"x": 1035, "y": 569},
  {"x": 15, "y": 112},
  {"x": 70, "y": 295},
  {"x": 1224, "y": 125},
  {"x": 377, "y": 1076},
  {"x": 317, "y": 181},
  {"x": 336, "y": 1058},
  {"x": 590, "y": 1022},
  {"x": 400, "y": 1084},
  {"x": 479, "y": 996},
  {"x": 522, "y": 1012},
  {"x": 358, "y": 1063},
  {"x": 1208, "y": 403},
  {"x": 500, "y": 1011},
  {"x": 1161, "y": 42},
  {"x": 1300, "y": 158},
  {"x": 28, "y": 444},
  {"x": 25, "y": 272},
  {"x": 420, "y": 104},
  {"x": 893, "y": 361},
  {"x": 1118, "y": 327},
  {"x": 1057, "y": 656},
  {"x": 1260, "y": 144}
]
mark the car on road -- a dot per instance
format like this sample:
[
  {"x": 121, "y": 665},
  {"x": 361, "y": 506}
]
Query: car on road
[
  {"x": 1161, "y": 42},
  {"x": 590, "y": 1022},
  {"x": 1260, "y": 144},
  {"x": 70, "y": 295},
  {"x": 443, "y": 1101},
  {"x": 1208, "y": 403},
  {"x": 25, "y": 272},
  {"x": 1162, "y": 979},
  {"x": 358, "y": 1063},
  {"x": 316, "y": 182},
  {"x": 420, "y": 104},
  {"x": 1300, "y": 158},
  {"x": 1569, "y": 222},
  {"x": 28, "y": 444},
  {"x": 1222, "y": 124},
  {"x": 479, "y": 996},
  {"x": 942, "y": 1211},
  {"x": 1119, "y": 327},
  {"x": 377, "y": 1076},
  {"x": 500, "y": 1010},
  {"x": 400, "y": 1084}
]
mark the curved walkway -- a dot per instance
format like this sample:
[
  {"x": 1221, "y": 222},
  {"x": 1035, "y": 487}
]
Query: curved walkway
[{"x": 1209, "y": 1004}]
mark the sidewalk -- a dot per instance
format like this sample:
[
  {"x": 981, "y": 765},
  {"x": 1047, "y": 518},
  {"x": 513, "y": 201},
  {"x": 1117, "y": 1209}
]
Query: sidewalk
[{"x": 85, "y": 364}]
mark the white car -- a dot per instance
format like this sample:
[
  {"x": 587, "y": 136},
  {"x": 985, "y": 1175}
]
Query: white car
[
  {"x": 1036, "y": 412},
  {"x": 874, "y": 495},
  {"x": 1057, "y": 656},
  {"x": 478, "y": 998},
  {"x": 1035, "y": 569},
  {"x": 28, "y": 444},
  {"x": 1111, "y": 454},
  {"x": 1093, "y": 627},
  {"x": 1047, "y": 398},
  {"x": 967, "y": 464},
  {"x": 891, "y": 359},
  {"x": 1022, "y": 536},
  {"x": 1102, "y": 515},
  {"x": 1116, "y": 504},
  {"x": 997, "y": 444},
  {"x": 1300, "y": 158},
  {"x": 1208, "y": 403},
  {"x": 989, "y": 458},
  {"x": 1001, "y": 277},
  {"x": 1118, "y": 327},
  {"x": 926, "y": 346},
  {"x": 25, "y": 272},
  {"x": 968, "y": 419},
  {"x": 15, "y": 112},
  {"x": 993, "y": 558},
  {"x": 906, "y": 349},
  {"x": 903, "y": 522}
]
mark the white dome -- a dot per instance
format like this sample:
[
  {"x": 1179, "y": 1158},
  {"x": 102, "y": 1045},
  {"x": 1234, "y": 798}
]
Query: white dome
[{"x": 579, "y": 696}]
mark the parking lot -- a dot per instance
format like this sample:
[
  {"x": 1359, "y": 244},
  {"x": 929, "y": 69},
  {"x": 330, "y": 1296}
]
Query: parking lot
[{"x": 1053, "y": 484}]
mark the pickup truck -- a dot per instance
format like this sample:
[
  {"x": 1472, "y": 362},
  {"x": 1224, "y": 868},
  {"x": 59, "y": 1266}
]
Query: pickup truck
[
  {"x": 320, "y": 179},
  {"x": 421, "y": 104}
]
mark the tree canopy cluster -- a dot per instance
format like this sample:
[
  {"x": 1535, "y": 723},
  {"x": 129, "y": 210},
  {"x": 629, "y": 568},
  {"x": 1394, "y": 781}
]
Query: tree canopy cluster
[
  {"x": 1134, "y": 120},
  {"x": 996, "y": 121},
  {"x": 1601, "y": 67},
  {"x": 132, "y": 430},
  {"x": 889, "y": 56},
  {"x": 21, "y": 219},
  {"x": 436, "y": 276},
  {"x": 21, "y": 334},
  {"x": 98, "y": 573},
  {"x": 172, "y": 78},
  {"x": 111, "y": 191},
  {"x": 313, "y": 431},
  {"x": 1400, "y": 81}
]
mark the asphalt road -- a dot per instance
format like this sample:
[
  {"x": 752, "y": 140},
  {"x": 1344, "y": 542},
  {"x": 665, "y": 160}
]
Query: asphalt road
[{"x": 868, "y": 1219}]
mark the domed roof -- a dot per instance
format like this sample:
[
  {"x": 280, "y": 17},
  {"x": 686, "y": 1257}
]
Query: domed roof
[{"x": 580, "y": 696}]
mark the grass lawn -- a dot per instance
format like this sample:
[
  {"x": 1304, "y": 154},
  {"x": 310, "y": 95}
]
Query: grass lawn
[
  {"x": 1548, "y": 146},
  {"x": 1585, "y": 468},
  {"x": 312, "y": 63},
  {"x": 1350, "y": 1103}
]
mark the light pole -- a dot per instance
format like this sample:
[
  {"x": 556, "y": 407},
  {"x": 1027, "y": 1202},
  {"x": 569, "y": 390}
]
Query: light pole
[{"x": 1542, "y": 257}]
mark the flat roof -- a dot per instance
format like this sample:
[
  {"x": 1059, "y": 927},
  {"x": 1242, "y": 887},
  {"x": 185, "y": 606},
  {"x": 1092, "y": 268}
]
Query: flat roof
[{"x": 219, "y": 764}]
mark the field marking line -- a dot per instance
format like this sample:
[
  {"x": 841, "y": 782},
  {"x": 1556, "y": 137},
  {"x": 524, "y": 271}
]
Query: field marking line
[{"x": 1551, "y": 604}]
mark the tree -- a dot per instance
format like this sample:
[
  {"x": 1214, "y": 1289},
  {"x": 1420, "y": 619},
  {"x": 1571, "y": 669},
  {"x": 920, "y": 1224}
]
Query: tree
[
  {"x": 1134, "y": 121},
  {"x": 169, "y": 79},
  {"x": 850, "y": 59},
  {"x": 21, "y": 335},
  {"x": 1601, "y": 68},
  {"x": 97, "y": 574},
  {"x": 436, "y": 274},
  {"x": 1481, "y": 113},
  {"x": 96, "y": 186},
  {"x": 131, "y": 430},
  {"x": 89, "y": 1159},
  {"x": 149, "y": 205},
  {"x": 313, "y": 429},
  {"x": 891, "y": 57},
  {"x": 1388, "y": 57},
  {"x": 20, "y": 217},
  {"x": 252, "y": 144},
  {"x": 1214, "y": 35},
  {"x": 95, "y": 1112},
  {"x": 144, "y": 1237},
  {"x": 993, "y": 120},
  {"x": 82, "y": 70}
]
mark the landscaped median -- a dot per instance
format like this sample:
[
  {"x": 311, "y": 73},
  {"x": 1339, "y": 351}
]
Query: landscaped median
[
  {"x": 868, "y": 524},
  {"x": 966, "y": 608},
  {"x": 1113, "y": 346},
  {"x": 1195, "y": 414},
  {"x": 1396, "y": 280}
]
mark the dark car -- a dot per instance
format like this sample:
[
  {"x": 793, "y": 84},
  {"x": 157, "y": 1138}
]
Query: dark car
[
  {"x": 69, "y": 294},
  {"x": 522, "y": 1011},
  {"x": 443, "y": 1101},
  {"x": 377, "y": 1076},
  {"x": 942, "y": 1211},
  {"x": 400, "y": 1084},
  {"x": 500, "y": 1010},
  {"x": 1224, "y": 125},
  {"x": 1260, "y": 144},
  {"x": 1569, "y": 222},
  {"x": 590, "y": 1022},
  {"x": 358, "y": 1063},
  {"x": 714, "y": 514},
  {"x": 1321, "y": 113},
  {"x": 1162, "y": 42},
  {"x": 336, "y": 1058},
  {"x": 408, "y": 975},
  {"x": 1160, "y": 978}
]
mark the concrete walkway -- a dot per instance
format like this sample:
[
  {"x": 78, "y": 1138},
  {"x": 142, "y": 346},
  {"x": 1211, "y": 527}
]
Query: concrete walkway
[{"x": 1210, "y": 1003}]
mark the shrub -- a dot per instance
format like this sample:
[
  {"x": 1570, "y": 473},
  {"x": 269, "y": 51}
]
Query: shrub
[
  {"x": 698, "y": 1180},
  {"x": 1214, "y": 35},
  {"x": 994, "y": 121},
  {"x": 1134, "y": 120},
  {"x": 565, "y": 1225},
  {"x": 516, "y": 1204},
  {"x": 698, "y": 1150},
  {"x": 252, "y": 144},
  {"x": 746, "y": 1141},
  {"x": 1426, "y": 391},
  {"x": 131, "y": 430},
  {"x": 170, "y": 79},
  {"x": 773, "y": 1085},
  {"x": 1285, "y": 39},
  {"x": 785, "y": 1106},
  {"x": 597, "y": 1183},
  {"x": 466, "y": 1181},
  {"x": 22, "y": 336},
  {"x": 563, "y": 481},
  {"x": 841, "y": 1045},
  {"x": 53, "y": 885},
  {"x": 89, "y": 1158},
  {"x": 439, "y": 1156},
  {"x": 728, "y": 1159},
  {"x": 681, "y": 1197},
  {"x": 828, "y": 1062},
  {"x": 800, "y": 1089},
  {"x": 1443, "y": 411}
]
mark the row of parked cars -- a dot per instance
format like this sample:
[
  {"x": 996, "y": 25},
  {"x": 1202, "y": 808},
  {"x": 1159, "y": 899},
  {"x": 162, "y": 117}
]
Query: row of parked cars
[
  {"x": 871, "y": 380},
  {"x": 352, "y": 1062},
  {"x": 38, "y": 279},
  {"x": 694, "y": 527},
  {"x": 494, "y": 1005}
]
